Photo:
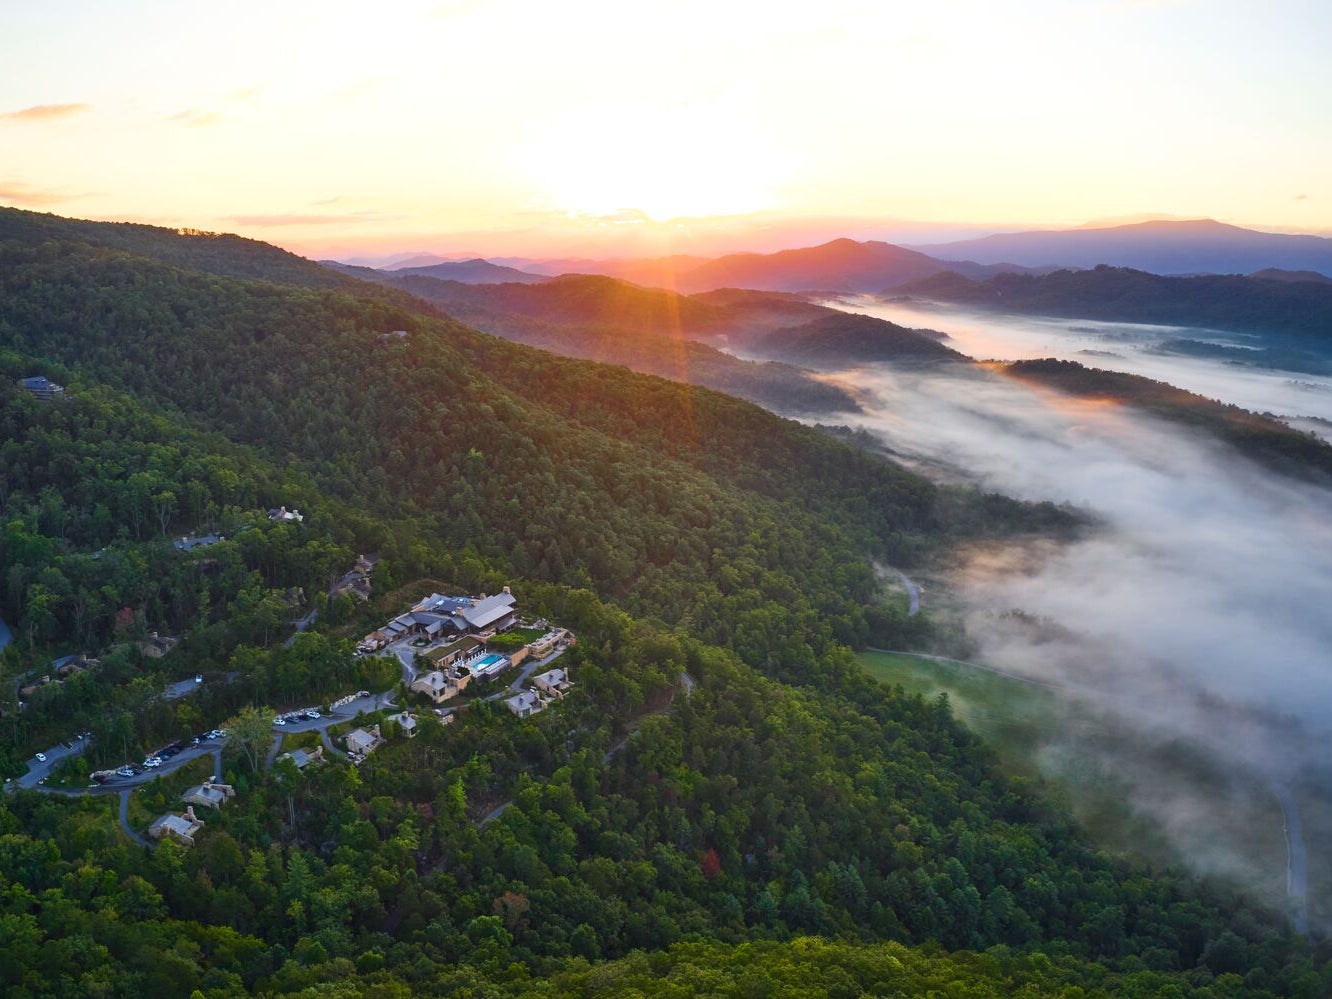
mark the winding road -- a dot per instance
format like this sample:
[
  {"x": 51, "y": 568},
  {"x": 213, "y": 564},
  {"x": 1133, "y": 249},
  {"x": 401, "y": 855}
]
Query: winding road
[
  {"x": 1297, "y": 871},
  {"x": 913, "y": 593},
  {"x": 124, "y": 820}
]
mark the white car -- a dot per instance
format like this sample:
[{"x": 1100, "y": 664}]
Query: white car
[
  {"x": 312, "y": 714},
  {"x": 279, "y": 721},
  {"x": 198, "y": 678},
  {"x": 152, "y": 761},
  {"x": 41, "y": 757}
]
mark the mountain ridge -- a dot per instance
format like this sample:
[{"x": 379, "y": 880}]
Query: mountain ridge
[
  {"x": 1168, "y": 247},
  {"x": 1293, "y": 312}
]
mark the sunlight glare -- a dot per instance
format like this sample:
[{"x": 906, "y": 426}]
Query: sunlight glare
[{"x": 663, "y": 165}]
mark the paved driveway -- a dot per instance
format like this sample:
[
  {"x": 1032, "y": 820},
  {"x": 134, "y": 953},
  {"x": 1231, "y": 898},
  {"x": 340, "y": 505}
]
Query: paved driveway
[
  {"x": 37, "y": 770},
  {"x": 177, "y": 690},
  {"x": 54, "y": 757},
  {"x": 348, "y": 711}
]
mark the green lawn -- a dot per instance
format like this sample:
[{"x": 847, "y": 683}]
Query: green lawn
[
  {"x": 1186, "y": 802},
  {"x": 1012, "y": 716},
  {"x": 515, "y": 638}
]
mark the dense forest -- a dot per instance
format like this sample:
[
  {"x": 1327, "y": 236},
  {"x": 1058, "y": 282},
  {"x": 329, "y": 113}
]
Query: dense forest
[{"x": 723, "y": 786}]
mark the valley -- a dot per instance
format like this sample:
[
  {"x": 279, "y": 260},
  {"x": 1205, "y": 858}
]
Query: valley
[
  {"x": 1300, "y": 398},
  {"x": 756, "y": 501},
  {"x": 717, "y": 564}
]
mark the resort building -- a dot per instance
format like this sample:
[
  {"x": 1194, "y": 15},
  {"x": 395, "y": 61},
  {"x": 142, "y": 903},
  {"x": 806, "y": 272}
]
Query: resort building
[{"x": 182, "y": 828}]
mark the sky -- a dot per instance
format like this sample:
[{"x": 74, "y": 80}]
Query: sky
[{"x": 597, "y": 126}]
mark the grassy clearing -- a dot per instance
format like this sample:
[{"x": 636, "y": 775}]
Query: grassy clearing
[
  {"x": 299, "y": 740},
  {"x": 1013, "y": 717},
  {"x": 1153, "y": 796}
]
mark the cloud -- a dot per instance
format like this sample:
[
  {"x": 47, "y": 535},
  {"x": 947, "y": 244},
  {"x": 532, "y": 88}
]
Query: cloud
[
  {"x": 1122, "y": 5},
  {"x": 455, "y": 9},
  {"x": 621, "y": 216},
  {"x": 1192, "y": 618},
  {"x": 18, "y": 193},
  {"x": 45, "y": 112},
  {"x": 293, "y": 218},
  {"x": 196, "y": 118}
]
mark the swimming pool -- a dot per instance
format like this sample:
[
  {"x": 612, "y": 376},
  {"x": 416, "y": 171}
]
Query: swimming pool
[{"x": 487, "y": 665}]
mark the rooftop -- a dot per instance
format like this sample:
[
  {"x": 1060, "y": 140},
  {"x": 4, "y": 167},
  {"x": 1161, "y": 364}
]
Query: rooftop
[
  {"x": 487, "y": 611},
  {"x": 198, "y": 541},
  {"x": 528, "y": 701}
]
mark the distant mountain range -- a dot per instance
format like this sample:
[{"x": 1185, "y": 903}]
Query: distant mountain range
[
  {"x": 1294, "y": 277},
  {"x": 847, "y": 266},
  {"x": 1285, "y": 311},
  {"x": 840, "y": 266},
  {"x": 1164, "y": 247},
  {"x": 477, "y": 271}
]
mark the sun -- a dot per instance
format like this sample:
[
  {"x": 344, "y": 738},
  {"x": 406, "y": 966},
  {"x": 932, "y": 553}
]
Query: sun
[{"x": 664, "y": 166}]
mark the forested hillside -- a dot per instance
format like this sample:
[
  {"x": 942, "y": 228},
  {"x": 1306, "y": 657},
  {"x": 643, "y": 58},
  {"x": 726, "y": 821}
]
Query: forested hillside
[
  {"x": 840, "y": 339},
  {"x": 1262, "y": 438},
  {"x": 677, "y": 336},
  {"x": 722, "y": 774},
  {"x": 650, "y": 331}
]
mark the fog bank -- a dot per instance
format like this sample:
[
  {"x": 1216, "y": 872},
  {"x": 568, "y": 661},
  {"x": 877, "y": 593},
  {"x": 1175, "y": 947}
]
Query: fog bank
[
  {"x": 1197, "y": 612},
  {"x": 1304, "y": 400}
]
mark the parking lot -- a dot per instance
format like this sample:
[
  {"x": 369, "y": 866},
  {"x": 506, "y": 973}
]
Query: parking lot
[
  {"x": 299, "y": 720},
  {"x": 174, "y": 756},
  {"x": 129, "y": 775}
]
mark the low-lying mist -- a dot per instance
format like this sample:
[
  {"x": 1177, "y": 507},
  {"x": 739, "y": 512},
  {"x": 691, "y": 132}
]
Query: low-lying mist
[
  {"x": 1196, "y": 615},
  {"x": 1304, "y": 400}
]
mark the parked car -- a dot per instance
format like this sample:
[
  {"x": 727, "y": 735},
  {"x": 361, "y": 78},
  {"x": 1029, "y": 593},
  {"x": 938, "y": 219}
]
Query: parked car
[
  {"x": 313, "y": 714},
  {"x": 41, "y": 757},
  {"x": 152, "y": 761},
  {"x": 198, "y": 678},
  {"x": 125, "y": 772},
  {"x": 279, "y": 720}
]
